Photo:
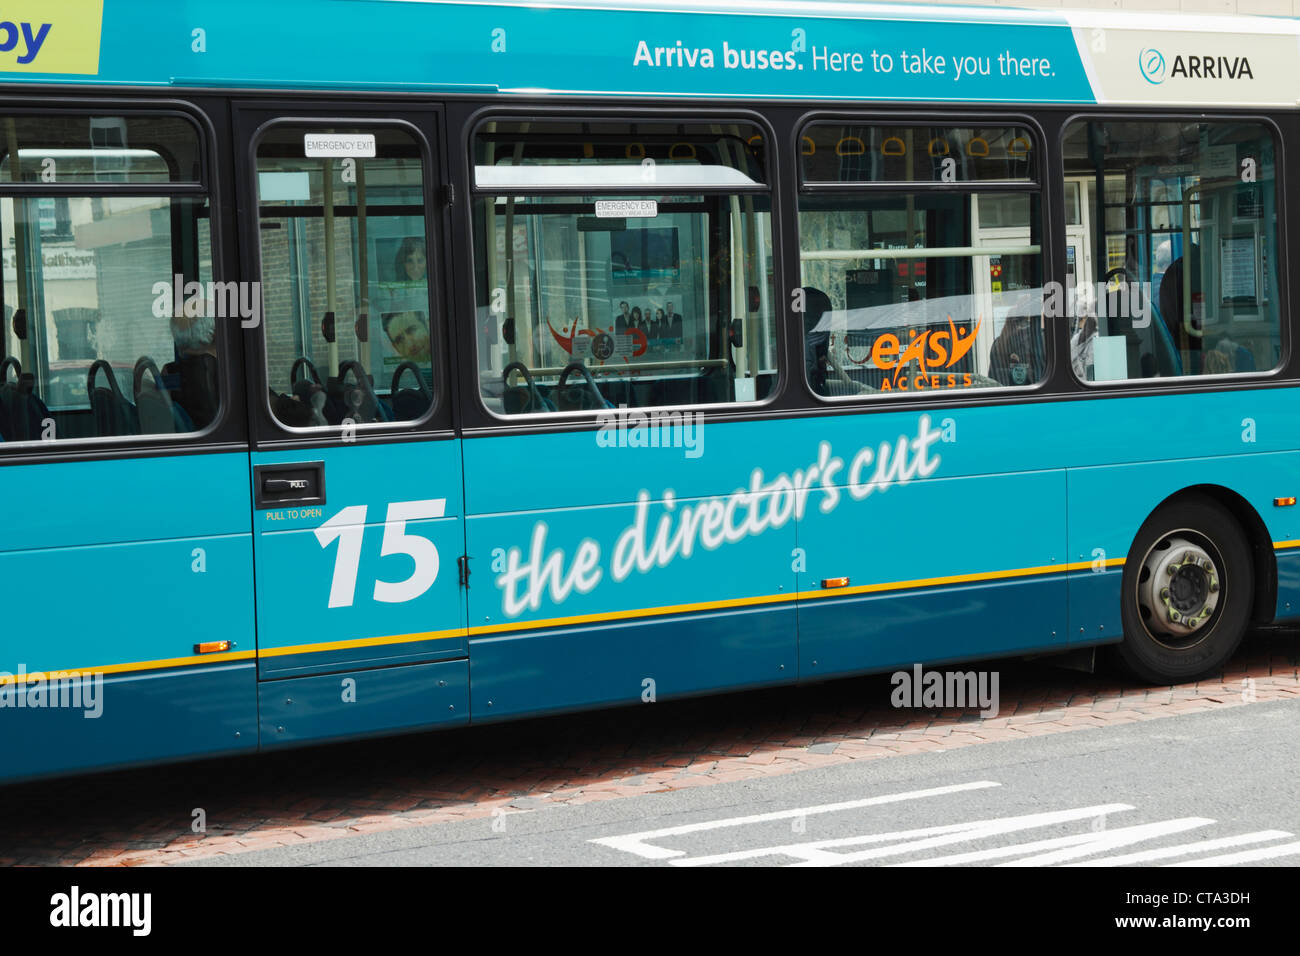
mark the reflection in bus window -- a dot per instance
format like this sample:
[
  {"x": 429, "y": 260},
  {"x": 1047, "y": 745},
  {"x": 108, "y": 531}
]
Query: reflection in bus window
[
  {"x": 659, "y": 294},
  {"x": 919, "y": 289},
  {"x": 345, "y": 280},
  {"x": 1179, "y": 249},
  {"x": 97, "y": 340}
]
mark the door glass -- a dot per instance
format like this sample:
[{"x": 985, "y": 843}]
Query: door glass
[{"x": 345, "y": 266}]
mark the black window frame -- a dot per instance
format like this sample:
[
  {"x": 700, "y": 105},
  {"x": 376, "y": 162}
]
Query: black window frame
[
  {"x": 227, "y": 430},
  {"x": 1041, "y": 182},
  {"x": 492, "y": 422},
  {"x": 1180, "y": 383},
  {"x": 273, "y": 433}
]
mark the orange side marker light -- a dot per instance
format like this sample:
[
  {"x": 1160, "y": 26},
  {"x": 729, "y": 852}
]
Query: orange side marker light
[{"x": 213, "y": 647}]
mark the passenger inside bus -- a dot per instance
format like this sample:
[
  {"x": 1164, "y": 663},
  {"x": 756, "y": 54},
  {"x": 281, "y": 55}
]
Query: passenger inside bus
[{"x": 192, "y": 377}]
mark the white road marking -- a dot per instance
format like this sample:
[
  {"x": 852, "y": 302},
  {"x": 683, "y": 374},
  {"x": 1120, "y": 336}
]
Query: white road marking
[
  {"x": 1044, "y": 852},
  {"x": 1067, "y": 847},
  {"x": 635, "y": 842},
  {"x": 1113, "y": 839},
  {"x": 1186, "y": 849},
  {"x": 816, "y": 853},
  {"x": 1246, "y": 856}
]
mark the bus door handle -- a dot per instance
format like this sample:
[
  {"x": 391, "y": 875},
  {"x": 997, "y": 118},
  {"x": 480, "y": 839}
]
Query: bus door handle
[{"x": 299, "y": 483}]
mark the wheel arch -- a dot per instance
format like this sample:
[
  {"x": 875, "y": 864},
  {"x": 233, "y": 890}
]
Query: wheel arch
[{"x": 1264, "y": 601}]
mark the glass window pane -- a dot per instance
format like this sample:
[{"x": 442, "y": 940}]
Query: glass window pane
[
  {"x": 345, "y": 280},
  {"x": 1184, "y": 256},
  {"x": 71, "y": 148},
  {"x": 670, "y": 303},
  {"x": 916, "y": 292},
  {"x": 594, "y": 156},
  {"x": 855, "y": 153},
  {"x": 94, "y": 344}
]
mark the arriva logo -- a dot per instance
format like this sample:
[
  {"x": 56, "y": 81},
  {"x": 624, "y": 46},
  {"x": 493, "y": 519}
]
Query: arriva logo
[{"x": 1152, "y": 64}]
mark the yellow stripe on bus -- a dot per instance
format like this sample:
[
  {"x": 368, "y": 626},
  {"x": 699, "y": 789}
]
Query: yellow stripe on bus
[
  {"x": 662, "y": 611},
  {"x": 134, "y": 666},
  {"x": 360, "y": 642},
  {"x": 774, "y": 598},
  {"x": 636, "y": 612}
]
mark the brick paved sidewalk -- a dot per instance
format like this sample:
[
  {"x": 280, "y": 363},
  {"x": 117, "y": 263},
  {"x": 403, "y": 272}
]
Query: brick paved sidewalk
[{"x": 143, "y": 817}]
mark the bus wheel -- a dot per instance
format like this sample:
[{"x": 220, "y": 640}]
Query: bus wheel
[{"x": 1187, "y": 590}]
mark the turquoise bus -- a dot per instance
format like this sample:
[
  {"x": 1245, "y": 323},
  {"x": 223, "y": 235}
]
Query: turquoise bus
[{"x": 381, "y": 366}]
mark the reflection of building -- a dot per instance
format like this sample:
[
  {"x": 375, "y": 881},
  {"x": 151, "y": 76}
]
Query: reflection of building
[
  {"x": 68, "y": 287},
  {"x": 91, "y": 268}
]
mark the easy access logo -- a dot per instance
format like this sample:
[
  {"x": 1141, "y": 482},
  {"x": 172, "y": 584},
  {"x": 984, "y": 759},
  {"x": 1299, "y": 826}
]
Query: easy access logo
[{"x": 1153, "y": 66}]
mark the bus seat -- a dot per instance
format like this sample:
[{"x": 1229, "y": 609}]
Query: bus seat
[
  {"x": 584, "y": 396},
  {"x": 409, "y": 403},
  {"x": 521, "y": 399},
  {"x": 158, "y": 414},
  {"x": 359, "y": 398},
  {"x": 113, "y": 412},
  {"x": 22, "y": 413}
]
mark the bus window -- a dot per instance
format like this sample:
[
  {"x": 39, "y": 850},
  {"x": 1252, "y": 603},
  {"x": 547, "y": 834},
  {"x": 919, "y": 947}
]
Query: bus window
[
  {"x": 935, "y": 286},
  {"x": 622, "y": 264},
  {"x": 1183, "y": 221},
  {"x": 345, "y": 275},
  {"x": 74, "y": 148},
  {"x": 108, "y": 330}
]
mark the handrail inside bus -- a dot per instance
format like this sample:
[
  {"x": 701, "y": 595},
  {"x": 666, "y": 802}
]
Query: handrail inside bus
[
  {"x": 936, "y": 252},
  {"x": 637, "y": 367}
]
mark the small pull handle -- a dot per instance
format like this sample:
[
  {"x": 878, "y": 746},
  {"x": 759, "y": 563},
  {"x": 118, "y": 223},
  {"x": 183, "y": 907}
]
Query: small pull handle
[
  {"x": 283, "y": 485},
  {"x": 300, "y": 483}
]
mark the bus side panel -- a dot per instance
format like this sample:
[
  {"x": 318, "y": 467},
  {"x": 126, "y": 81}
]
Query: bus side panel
[
  {"x": 540, "y": 642},
  {"x": 133, "y": 719},
  {"x": 117, "y": 569},
  {"x": 580, "y": 599},
  {"x": 363, "y": 703},
  {"x": 969, "y": 622},
  {"x": 937, "y": 569},
  {"x": 1288, "y": 585},
  {"x": 515, "y": 675},
  {"x": 1094, "y": 605},
  {"x": 1109, "y": 503}
]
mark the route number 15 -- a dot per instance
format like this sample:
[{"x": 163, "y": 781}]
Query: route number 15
[{"x": 348, "y": 527}]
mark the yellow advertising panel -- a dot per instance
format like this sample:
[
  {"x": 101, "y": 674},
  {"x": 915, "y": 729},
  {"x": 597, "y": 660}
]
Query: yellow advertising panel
[{"x": 50, "y": 36}]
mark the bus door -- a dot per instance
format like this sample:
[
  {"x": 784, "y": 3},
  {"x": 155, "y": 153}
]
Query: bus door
[{"x": 356, "y": 477}]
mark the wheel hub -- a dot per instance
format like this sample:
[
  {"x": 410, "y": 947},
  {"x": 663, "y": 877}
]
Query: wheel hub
[{"x": 1181, "y": 588}]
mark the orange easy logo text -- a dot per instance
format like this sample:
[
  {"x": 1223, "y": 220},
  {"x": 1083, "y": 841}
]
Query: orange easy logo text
[{"x": 932, "y": 350}]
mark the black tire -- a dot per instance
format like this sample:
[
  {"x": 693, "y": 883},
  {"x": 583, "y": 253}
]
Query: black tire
[{"x": 1154, "y": 648}]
